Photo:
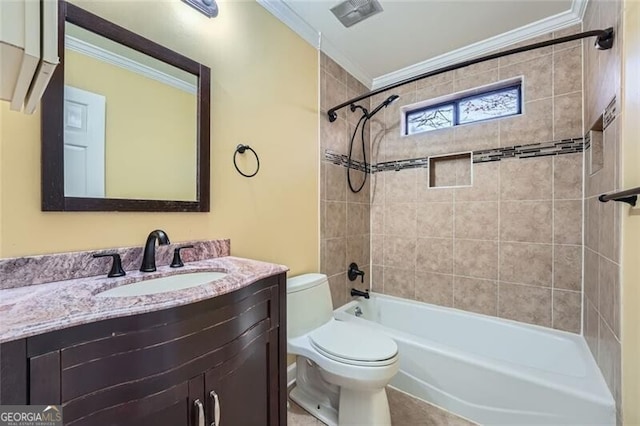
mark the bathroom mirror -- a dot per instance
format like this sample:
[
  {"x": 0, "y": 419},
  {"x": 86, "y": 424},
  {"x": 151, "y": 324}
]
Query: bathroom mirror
[{"x": 125, "y": 122}]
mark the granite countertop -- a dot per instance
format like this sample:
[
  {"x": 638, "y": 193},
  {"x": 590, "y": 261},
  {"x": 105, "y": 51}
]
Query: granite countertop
[{"x": 36, "y": 309}]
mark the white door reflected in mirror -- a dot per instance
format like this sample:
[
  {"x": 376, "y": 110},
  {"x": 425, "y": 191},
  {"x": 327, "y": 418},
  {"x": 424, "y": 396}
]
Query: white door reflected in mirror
[{"x": 84, "y": 135}]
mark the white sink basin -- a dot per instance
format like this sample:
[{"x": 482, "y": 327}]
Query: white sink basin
[{"x": 164, "y": 284}]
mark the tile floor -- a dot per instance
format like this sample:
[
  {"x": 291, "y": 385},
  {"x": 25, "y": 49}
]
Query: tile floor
[
  {"x": 296, "y": 416},
  {"x": 405, "y": 411}
]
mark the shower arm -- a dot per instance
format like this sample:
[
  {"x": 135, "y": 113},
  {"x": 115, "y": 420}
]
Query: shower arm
[{"x": 604, "y": 41}]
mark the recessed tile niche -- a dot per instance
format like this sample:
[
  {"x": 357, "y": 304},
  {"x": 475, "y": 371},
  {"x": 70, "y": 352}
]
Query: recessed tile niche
[
  {"x": 450, "y": 170},
  {"x": 596, "y": 157}
]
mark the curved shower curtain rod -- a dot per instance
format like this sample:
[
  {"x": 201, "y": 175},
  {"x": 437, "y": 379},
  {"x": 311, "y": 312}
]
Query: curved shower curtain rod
[{"x": 604, "y": 41}]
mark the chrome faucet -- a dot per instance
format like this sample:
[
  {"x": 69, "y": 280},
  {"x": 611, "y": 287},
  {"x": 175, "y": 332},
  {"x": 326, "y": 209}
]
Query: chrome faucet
[{"x": 149, "y": 257}]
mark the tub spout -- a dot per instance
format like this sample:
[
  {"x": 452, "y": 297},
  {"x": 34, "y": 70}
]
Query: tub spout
[{"x": 356, "y": 293}]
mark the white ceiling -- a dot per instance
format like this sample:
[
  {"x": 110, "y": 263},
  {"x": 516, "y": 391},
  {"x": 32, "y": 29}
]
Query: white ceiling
[{"x": 412, "y": 37}]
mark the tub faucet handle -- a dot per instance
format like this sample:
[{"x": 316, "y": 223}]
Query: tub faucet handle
[{"x": 354, "y": 272}]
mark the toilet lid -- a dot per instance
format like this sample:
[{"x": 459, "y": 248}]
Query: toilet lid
[{"x": 352, "y": 342}]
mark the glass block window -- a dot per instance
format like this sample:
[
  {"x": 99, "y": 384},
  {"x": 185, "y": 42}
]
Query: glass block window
[{"x": 482, "y": 106}]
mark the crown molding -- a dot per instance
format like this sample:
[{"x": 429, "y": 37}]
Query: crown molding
[
  {"x": 334, "y": 53},
  {"x": 104, "y": 55},
  {"x": 285, "y": 14},
  {"x": 579, "y": 7},
  {"x": 538, "y": 28}
]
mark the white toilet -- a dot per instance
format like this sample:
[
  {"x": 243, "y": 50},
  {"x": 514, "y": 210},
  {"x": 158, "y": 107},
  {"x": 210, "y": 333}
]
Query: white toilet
[{"x": 342, "y": 368}]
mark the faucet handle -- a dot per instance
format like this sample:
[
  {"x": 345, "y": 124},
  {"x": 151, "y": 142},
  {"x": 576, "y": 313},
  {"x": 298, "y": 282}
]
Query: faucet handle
[
  {"x": 177, "y": 261},
  {"x": 116, "y": 266},
  {"x": 354, "y": 272}
]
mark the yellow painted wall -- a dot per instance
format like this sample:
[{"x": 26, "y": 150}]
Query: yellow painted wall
[
  {"x": 150, "y": 130},
  {"x": 1, "y": 174},
  {"x": 631, "y": 217},
  {"x": 264, "y": 93}
]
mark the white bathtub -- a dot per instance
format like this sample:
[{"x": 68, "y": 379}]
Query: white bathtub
[{"x": 489, "y": 370}]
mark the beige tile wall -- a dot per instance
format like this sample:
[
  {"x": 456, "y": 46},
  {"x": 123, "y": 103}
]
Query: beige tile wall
[
  {"x": 344, "y": 221},
  {"x": 602, "y": 220},
  {"x": 510, "y": 245}
]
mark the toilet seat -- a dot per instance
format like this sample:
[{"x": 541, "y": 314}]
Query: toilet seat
[{"x": 353, "y": 344}]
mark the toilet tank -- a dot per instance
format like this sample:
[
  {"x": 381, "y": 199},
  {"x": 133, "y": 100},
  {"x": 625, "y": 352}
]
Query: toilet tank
[{"x": 308, "y": 303}]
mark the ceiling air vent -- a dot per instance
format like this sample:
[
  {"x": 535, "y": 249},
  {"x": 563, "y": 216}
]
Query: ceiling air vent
[{"x": 351, "y": 12}]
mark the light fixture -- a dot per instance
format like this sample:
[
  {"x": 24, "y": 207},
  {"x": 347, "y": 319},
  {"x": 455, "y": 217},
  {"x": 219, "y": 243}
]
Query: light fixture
[{"x": 208, "y": 7}]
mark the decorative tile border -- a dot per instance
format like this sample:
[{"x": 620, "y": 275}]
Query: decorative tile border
[
  {"x": 565, "y": 146},
  {"x": 609, "y": 113},
  {"x": 343, "y": 160},
  {"x": 413, "y": 163}
]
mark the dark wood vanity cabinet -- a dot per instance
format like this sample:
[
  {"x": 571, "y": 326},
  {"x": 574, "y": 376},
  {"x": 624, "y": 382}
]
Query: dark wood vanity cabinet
[{"x": 159, "y": 368}]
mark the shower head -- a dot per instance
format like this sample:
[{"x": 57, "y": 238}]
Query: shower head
[{"x": 384, "y": 104}]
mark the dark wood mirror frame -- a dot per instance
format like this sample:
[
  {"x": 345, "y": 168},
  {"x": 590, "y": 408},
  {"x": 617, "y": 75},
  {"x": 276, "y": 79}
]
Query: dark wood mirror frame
[{"x": 53, "y": 198}]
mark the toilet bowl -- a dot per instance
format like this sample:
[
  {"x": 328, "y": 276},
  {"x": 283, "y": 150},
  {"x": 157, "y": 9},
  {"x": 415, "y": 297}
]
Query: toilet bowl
[{"x": 342, "y": 368}]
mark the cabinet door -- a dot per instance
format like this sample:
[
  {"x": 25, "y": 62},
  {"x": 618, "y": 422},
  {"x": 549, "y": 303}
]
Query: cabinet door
[
  {"x": 175, "y": 406},
  {"x": 44, "y": 379},
  {"x": 246, "y": 385}
]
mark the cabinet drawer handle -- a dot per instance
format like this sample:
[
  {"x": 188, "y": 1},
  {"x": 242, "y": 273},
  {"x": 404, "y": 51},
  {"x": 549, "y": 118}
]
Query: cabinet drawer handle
[
  {"x": 216, "y": 408},
  {"x": 200, "y": 408}
]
